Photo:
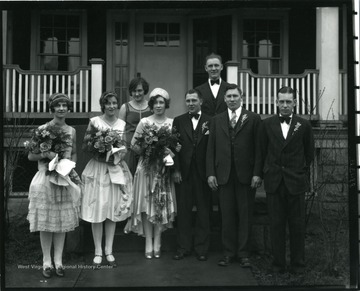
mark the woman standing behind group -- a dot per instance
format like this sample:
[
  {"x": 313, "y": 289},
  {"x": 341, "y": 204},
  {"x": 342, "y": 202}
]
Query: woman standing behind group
[
  {"x": 107, "y": 180},
  {"x": 132, "y": 112},
  {"x": 154, "y": 205}
]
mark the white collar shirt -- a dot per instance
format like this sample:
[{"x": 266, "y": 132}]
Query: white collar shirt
[
  {"x": 237, "y": 112},
  {"x": 285, "y": 127},
  {"x": 195, "y": 121},
  {"x": 215, "y": 88}
]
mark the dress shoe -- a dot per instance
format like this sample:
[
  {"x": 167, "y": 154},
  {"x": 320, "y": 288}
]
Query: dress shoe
[
  {"x": 245, "y": 263},
  {"x": 202, "y": 258},
  {"x": 47, "y": 272},
  {"x": 225, "y": 261},
  {"x": 97, "y": 261},
  {"x": 111, "y": 263},
  {"x": 157, "y": 254},
  {"x": 59, "y": 271},
  {"x": 149, "y": 255},
  {"x": 180, "y": 255}
]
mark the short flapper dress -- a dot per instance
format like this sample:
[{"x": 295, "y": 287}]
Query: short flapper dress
[
  {"x": 132, "y": 118},
  {"x": 144, "y": 198},
  {"x": 103, "y": 197},
  {"x": 53, "y": 208}
]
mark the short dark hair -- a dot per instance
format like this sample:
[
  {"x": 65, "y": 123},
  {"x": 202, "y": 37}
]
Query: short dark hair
[
  {"x": 56, "y": 98},
  {"x": 152, "y": 101},
  {"x": 194, "y": 91},
  {"x": 138, "y": 81},
  {"x": 104, "y": 98},
  {"x": 232, "y": 87},
  {"x": 213, "y": 56},
  {"x": 286, "y": 90}
]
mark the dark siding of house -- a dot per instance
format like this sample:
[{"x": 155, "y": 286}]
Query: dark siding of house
[
  {"x": 302, "y": 40},
  {"x": 21, "y": 38}
]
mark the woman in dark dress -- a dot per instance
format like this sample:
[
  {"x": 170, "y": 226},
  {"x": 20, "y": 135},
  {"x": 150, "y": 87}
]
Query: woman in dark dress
[{"x": 131, "y": 112}]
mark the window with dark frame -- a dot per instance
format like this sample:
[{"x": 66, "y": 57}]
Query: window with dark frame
[
  {"x": 60, "y": 42},
  {"x": 261, "y": 48},
  {"x": 161, "y": 34}
]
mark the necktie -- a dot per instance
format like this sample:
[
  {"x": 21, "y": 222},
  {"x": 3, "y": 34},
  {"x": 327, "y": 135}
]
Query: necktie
[
  {"x": 212, "y": 82},
  {"x": 195, "y": 115},
  {"x": 233, "y": 119},
  {"x": 287, "y": 119}
]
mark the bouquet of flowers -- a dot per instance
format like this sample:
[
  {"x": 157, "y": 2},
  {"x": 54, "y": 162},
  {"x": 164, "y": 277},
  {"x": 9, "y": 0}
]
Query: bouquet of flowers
[
  {"x": 49, "y": 138},
  {"x": 154, "y": 143},
  {"x": 104, "y": 144}
]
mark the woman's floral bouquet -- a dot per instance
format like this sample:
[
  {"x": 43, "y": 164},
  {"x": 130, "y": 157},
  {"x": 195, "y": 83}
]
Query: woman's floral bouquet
[
  {"x": 49, "y": 138},
  {"x": 154, "y": 143},
  {"x": 54, "y": 139},
  {"x": 103, "y": 143}
]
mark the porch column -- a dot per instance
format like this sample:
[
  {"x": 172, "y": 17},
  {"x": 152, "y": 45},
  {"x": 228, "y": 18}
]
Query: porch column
[
  {"x": 96, "y": 83},
  {"x": 232, "y": 72},
  {"x": 327, "y": 61}
]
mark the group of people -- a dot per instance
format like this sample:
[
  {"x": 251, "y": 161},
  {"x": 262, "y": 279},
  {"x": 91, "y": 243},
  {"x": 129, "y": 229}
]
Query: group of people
[{"x": 220, "y": 148}]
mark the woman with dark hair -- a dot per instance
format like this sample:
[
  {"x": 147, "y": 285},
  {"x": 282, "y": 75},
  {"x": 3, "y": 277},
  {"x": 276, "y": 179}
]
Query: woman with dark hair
[
  {"x": 53, "y": 208},
  {"x": 107, "y": 180},
  {"x": 154, "y": 207},
  {"x": 131, "y": 112}
]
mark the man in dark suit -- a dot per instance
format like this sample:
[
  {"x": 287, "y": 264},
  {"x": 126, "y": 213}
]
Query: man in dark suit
[
  {"x": 288, "y": 150},
  {"x": 190, "y": 179},
  {"x": 213, "y": 90},
  {"x": 233, "y": 165}
]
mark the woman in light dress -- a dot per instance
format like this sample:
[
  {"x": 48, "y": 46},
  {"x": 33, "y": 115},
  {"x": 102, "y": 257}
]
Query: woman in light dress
[
  {"x": 144, "y": 220},
  {"x": 106, "y": 200},
  {"x": 131, "y": 112},
  {"x": 53, "y": 209}
]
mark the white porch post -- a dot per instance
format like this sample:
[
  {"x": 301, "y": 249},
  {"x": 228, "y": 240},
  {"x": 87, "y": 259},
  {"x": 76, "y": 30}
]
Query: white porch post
[
  {"x": 96, "y": 83},
  {"x": 327, "y": 61},
  {"x": 232, "y": 72}
]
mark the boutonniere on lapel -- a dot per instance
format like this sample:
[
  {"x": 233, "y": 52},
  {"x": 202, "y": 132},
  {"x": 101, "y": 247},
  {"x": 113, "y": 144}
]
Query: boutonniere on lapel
[
  {"x": 297, "y": 126},
  {"x": 205, "y": 128},
  {"x": 243, "y": 119}
]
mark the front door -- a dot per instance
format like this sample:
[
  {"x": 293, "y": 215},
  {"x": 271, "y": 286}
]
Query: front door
[
  {"x": 118, "y": 55},
  {"x": 153, "y": 47}
]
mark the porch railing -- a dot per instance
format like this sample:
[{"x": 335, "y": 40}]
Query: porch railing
[
  {"x": 260, "y": 91},
  {"x": 28, "y": 91}
]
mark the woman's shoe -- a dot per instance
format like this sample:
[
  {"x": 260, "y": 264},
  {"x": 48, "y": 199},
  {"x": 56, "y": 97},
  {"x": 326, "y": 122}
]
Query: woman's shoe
[
  {"x": 148, "y": 255},
  {"x": 96, "y": 261},
  {"x": 111, "y": 263},
  {"x": 47, "y": 272},
  {"x": 157, "y": 254},
  {"x": 59, "y": 271}
]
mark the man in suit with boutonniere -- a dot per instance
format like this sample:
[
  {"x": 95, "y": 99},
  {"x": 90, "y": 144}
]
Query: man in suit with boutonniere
[
  {"x": 190, "y": 179},
  {"x": 288, "y": 150},
  {"x": 213, "y": 91},
  {"x": 233, "y": 165}
]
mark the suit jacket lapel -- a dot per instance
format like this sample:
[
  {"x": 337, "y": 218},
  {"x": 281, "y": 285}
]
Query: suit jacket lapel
[
  {"x": 199, "y": 128},
  {"x": 276, "y": 127},
  {"x": 224, "y": 122},
  {"x": 188, "y": 126},
  {"x": 220, "y": 94},
  {"x": 291, "y": 129},
  {"x": 243, "y": 119}
]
